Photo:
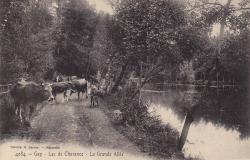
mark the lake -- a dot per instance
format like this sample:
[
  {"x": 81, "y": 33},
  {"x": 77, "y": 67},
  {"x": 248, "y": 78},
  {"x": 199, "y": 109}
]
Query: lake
[{"x": 221, "y": 126}]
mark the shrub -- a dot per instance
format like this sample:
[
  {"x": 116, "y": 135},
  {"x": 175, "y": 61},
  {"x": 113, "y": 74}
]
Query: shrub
[{"x": 7, "y": 115}]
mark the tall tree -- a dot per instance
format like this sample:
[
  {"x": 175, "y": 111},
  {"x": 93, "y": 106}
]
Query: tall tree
[{"x": 75, "y": 39}]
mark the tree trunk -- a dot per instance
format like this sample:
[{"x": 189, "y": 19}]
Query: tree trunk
[
  {"x": 217, "y": 79},
  {"x": 184, "y": 132},
  {"x": 106, "y": 82},
  {"x": 119, "y": 79},
  {"x": 220, "y": 39},
  {"x": 87, "y": 69},
  {"x": 140, "y": 82},
  {"x": 165, "y": 82},
  {"x": 165, "y": 77}
]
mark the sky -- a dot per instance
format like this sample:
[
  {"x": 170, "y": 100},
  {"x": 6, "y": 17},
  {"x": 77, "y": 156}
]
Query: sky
[{"x": 101, "y": 5}]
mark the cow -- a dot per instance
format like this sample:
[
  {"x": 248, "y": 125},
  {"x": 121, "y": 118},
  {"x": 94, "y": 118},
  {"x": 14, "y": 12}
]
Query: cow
[
  {"x": 61, "y": 87},
  {"x": 80, "y": 86},
  {"x": 27, "y": 95}
]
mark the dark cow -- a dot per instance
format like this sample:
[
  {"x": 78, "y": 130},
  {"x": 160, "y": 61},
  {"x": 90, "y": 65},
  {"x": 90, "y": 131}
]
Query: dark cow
[
  {"x": 80, "y": 86},
  {"x": 27, "y": 95},
  {"x": 61, "y": 87}
]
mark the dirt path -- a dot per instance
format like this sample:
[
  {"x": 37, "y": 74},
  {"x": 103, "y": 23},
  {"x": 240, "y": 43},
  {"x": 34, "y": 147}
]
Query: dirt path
[{"x": 75, "y": 122}]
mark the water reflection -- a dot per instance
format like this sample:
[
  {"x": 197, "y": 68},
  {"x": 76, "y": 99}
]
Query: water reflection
[{"x": 221, "y": 126}]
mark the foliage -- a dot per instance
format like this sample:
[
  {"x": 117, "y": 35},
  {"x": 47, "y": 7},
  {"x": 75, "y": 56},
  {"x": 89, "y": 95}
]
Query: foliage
[
  {"x": 25, "y": 27},
  {"x": 155, "y": 33},
  {"x": 235, "y": 57},
  {"x": 102, "y": 50},
  {"x": 7, "y": 117},
  {"x": 148, "y": 32},
  {"x": 75, "y": 38},
  {"x": 222, "y": 53}
]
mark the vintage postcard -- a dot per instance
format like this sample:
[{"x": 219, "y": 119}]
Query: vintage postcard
[{"x": 124, "y": 79}]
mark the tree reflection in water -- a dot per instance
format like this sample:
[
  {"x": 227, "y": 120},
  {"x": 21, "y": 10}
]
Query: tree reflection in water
[{"x": 221, "y": 118}]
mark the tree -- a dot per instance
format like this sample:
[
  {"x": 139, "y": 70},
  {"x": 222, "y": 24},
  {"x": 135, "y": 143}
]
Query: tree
[
  {"x": 234, "y": 16},
  {"x": 75, "y": 38},
  {"x": 235, "y": 56},
  {"x": 155, "y": 33},
  {"x": 21, "y": 23},
  {"x": 221, "y": 55}
]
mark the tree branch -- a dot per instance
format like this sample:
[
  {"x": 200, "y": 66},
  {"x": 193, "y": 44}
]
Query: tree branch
[
  {"x": 218, "y": 4},
  {"x": 204, "y": 4},
  {"x": 243, "y": 8},
  {"x": 148, "y": 76}
]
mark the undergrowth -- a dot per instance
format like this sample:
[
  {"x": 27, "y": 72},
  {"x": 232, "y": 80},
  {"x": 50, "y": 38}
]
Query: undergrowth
[{"x": 8, "y": 120}]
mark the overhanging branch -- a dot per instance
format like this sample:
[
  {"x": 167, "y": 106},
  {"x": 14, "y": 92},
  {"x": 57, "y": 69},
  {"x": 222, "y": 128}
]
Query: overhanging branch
[{"x": 204, "y": 4}]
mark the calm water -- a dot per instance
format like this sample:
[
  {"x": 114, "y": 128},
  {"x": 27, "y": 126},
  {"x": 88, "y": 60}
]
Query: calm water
[{"x": 221, "y": 127}]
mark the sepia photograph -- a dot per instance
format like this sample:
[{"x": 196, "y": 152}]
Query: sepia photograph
[{"x": 124, "y": 79}]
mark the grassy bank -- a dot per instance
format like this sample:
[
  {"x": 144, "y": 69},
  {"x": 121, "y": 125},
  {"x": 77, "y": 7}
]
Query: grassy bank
[{"x": 141, "y": 128}]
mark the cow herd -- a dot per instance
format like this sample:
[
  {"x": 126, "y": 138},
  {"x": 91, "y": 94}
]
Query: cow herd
[
  {"x": 80, "y": 86},
  {"x": 27, "y": 94}
]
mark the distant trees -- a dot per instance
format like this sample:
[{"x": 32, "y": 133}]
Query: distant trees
[
  {"x": 102, "y": 46},
  {"x": 74, "y": 38},
  {"x": 233, "y": 18},
  {"x": 235, "y": 57}
]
